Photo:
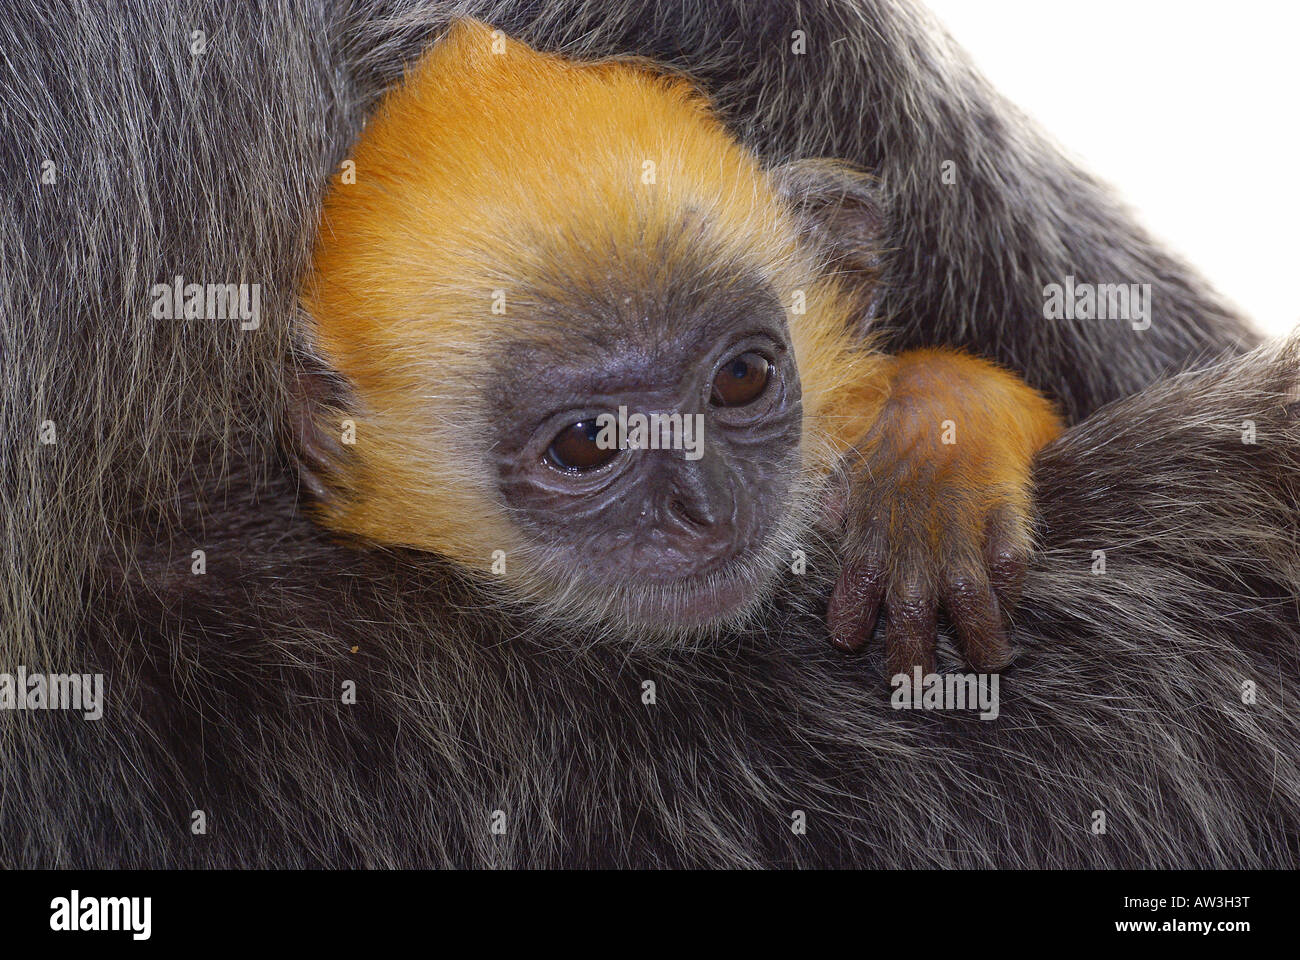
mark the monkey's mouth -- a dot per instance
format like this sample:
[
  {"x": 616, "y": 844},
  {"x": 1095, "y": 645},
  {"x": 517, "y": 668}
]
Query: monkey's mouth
[
  {"x": 722, "y": 596},
  {"x": 668, "y": 597},
  {"x": 694, "y": 601}
]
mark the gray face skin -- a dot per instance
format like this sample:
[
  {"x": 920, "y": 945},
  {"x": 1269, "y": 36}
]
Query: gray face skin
[{"x": 652, "y": 535}]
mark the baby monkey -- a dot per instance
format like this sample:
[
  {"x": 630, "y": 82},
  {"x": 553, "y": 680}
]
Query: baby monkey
[{"x": 531, "y": 246}]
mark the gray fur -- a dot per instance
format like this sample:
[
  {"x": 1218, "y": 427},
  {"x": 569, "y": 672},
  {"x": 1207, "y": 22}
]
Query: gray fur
[{"x": 223, "y": 690}]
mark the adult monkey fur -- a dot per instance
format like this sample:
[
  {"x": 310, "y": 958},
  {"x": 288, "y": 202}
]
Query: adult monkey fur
[{"x": 223, "y": 689}]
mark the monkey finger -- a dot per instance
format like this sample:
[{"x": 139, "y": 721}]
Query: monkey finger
[
  {"x": 912, "y": 630},
  {"x": 1006, "y": 556},
  {"x": 855, "y": 602},
  {"x": 977, "y": 616}
]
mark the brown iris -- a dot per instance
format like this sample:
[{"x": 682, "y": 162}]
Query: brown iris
[
  {"x": 740, "y": 381},
  {"x": 575, "y": 447}
]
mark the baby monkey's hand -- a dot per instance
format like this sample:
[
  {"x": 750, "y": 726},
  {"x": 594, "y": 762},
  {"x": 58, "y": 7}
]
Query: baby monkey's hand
[{"x": 938, "y": 509}]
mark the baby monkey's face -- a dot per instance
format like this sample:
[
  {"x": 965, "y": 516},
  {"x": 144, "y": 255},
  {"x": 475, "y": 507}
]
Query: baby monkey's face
[{"x": 649, "y": 444}]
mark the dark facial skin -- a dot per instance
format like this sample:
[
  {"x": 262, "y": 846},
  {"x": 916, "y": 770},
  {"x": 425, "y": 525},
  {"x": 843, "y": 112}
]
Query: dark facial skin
[{"x": 673, "y": 537}]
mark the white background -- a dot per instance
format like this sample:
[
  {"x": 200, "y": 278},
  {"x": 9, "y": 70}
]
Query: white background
[{"x": 1192, "y": 110}]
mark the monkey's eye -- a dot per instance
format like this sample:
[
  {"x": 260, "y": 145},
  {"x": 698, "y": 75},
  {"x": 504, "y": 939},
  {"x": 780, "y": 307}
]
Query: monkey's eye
[
  {"x": 575, "y": 448},
  {"x": 740, "y": 381}
]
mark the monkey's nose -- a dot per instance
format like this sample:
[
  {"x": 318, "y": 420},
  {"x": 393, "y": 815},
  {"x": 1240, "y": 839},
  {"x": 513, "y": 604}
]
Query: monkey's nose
[
  {"x": 696, "y": 512},
  {"x": 698, "y": 494}
]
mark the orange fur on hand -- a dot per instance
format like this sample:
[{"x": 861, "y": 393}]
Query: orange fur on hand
[
  {"x": 991, "y": 406},
  {"x": 953, "y": 426}
]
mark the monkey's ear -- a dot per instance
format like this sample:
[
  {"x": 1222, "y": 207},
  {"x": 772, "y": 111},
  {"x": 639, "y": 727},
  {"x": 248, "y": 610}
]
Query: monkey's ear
[
  {"x": 841, "y": 211},
  {"x": 318, "y": 396}
]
